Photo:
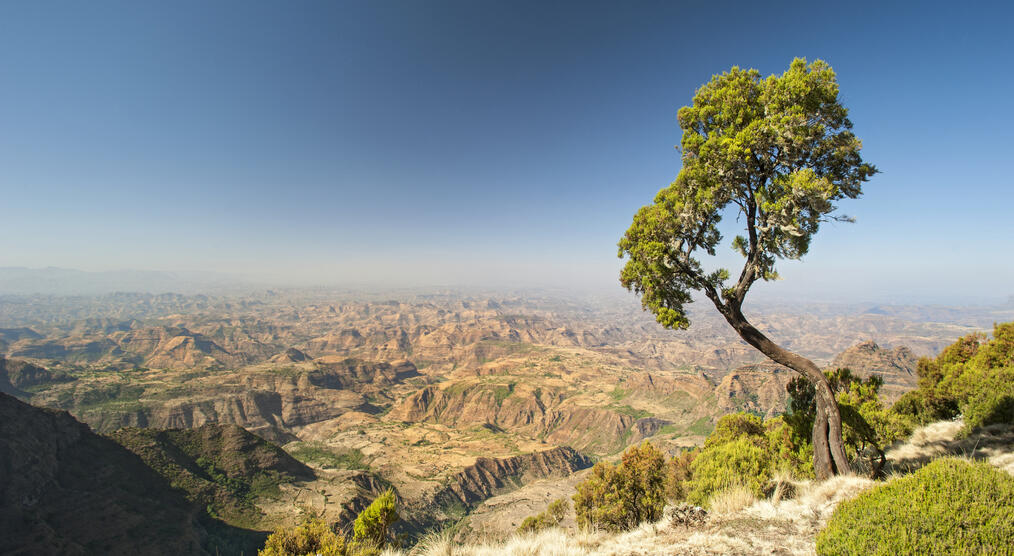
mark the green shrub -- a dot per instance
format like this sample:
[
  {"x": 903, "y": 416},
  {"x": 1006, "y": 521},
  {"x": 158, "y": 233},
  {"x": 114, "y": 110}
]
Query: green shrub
[
  {"x": 735, "y": 426},
  {"x": 790, "y": 452},
  {"x": 619, "y": 497},
  {"x": 973, "y": 377},
  {"x": 312, "y": 537},
  {"x": 993, "y": 402},
  {"x": 371, "y": 526},
  {"x": 740, "y": 462},
  {"x": 553, "y": 516},
  {"x": 948, "y": 507}
]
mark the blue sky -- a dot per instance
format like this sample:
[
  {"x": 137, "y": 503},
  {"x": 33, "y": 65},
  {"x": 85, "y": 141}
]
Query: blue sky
[{"x": 474, "y": 142}]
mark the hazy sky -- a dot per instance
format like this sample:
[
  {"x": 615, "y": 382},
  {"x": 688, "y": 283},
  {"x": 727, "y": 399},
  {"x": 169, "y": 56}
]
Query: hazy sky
[{"x": 478, "y": 142}]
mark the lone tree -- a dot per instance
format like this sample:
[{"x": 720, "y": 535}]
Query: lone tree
[{"x": 777, "y": 153}]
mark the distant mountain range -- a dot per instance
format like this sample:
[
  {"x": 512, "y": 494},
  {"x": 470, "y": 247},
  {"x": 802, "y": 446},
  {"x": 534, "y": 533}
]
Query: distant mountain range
[{"x": 66, "y": 281}]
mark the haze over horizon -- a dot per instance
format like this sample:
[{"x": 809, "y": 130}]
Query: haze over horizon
[{"x": 464, "y": 143}]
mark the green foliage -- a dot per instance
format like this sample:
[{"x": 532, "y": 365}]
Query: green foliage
[
  {"x": 629, "y": 411},
  {"x": 310, "y": 538},
  {"x": 552, "y": 517},
  {"x": 372, "y": 524},
  {"x": 318, "y": 454},
  {"x": 742, "y": 451},
  {"x": 739, "y": 462},
  {"x": 779, "y": 152},
  {"x": 790, "y": 452},
  {"x": 973, "y": 377},
  {"x": 224, "y": 469},
  {"x": 948, "y": 507},
  {"x": 867, "y": 426},
  {"x": 734, "y": 426},
  {"x": 618, "y": 497},
  {"x": 116, "y": 395},
  {"x": 992, "y": 402}
]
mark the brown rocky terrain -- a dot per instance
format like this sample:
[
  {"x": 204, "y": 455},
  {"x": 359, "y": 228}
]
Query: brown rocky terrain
[
  {"x": 896, "y": 366},
  {"x": 488, "y": 477},
  {"x": 413, "y": 392}
]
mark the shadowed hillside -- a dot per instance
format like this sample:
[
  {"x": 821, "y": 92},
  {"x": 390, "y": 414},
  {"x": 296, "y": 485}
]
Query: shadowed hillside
[{"x": 66, "y": 490}]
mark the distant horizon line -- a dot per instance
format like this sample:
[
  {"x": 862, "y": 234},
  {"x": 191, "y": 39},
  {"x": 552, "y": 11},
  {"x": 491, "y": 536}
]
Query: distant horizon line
[{"x": 219, "y": 283}]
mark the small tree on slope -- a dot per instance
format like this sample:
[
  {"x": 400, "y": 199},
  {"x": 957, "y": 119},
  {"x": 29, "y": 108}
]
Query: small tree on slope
[{"x": 777, "y": 152}]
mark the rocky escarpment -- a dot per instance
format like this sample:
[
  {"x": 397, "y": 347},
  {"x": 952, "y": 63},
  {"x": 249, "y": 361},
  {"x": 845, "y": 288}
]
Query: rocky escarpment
[
  {"x": 896, "y": 366},
  {"x": 270, "y": 404},
  {"x": 492, "y": 476},
  {"x": 359, "y": 375},
  {"x": 291, "y": 355},
  {"x": 66, "y": 490},
  {"x": 519, "y": 408}
]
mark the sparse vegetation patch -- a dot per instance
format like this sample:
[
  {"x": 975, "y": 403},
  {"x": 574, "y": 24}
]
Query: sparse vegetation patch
[{"x": 315, "y": 453}]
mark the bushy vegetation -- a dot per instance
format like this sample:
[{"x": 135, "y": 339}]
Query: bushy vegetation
[
  {"x": 552, "y": 517},
  {"x": 312, "y": 537},
  {"x": 974, "y": 377},
  {"x": 315, "y": 537},
  {"x": 739, "y": 462},
  {"x": 373, "y": 524},
  {"x": 867, "y": 426},
  {"x": 948, "y": 507},
  {"x": 618, "y": 497},
  {"x": 742, "y": 452}
]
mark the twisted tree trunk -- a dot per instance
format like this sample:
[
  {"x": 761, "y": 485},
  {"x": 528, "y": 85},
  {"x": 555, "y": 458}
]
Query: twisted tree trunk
[{"x": 828, "y": 449}]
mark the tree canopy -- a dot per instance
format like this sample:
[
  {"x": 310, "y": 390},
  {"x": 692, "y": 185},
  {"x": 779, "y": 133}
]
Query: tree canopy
[{"x": 779, "y": 152}]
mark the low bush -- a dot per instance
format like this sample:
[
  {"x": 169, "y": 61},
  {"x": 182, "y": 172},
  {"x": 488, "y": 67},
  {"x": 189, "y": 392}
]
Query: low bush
[
  {"x": 948, "y": 507},
  {"x": 619, "y": 497},
  {"x": 791, "y": 452},
  {"x": 973, "y": 377},
  {"x": 312, "y": 537},
  {"x": 552, "y": 517},
  {"x": 737, "y": 463},
  {"x": 992, "y": 402},
  {"x": 678, "y": 472}
]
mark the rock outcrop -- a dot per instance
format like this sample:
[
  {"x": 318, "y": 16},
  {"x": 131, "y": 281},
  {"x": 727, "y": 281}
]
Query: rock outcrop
[
  {"x": 489, "y": 477},
  {"x": 896, "y": 366}
]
